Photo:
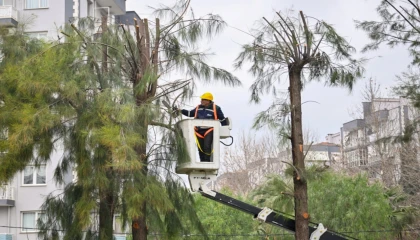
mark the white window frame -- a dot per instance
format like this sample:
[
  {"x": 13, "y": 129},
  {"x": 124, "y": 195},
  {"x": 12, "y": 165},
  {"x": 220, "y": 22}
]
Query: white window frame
[
  {"x": 34, "y": 174},
  {"x": 37, "y": 216},
  {"x": 117, "y": 217},
  {"x": 38, "y": 6},
  {"x": 4, "y": 134},
  {"x": 38, "y": 35}
]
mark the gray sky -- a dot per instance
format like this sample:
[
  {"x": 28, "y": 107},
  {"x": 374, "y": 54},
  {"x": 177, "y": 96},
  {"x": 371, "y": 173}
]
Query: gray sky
[{"x": 334, "y": 103}]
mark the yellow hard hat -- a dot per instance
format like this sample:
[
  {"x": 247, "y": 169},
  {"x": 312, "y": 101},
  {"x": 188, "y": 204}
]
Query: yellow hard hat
[{"x": 207, "y": 96}]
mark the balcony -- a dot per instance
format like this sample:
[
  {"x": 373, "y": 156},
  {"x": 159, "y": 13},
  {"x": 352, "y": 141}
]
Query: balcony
[
  {"x": 8, "y": 16},
  {"x": 117, "y": 7},
  {"x": 7, "y": 196}
]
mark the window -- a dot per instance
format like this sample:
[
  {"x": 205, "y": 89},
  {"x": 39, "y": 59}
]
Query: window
[
  {"x": 1, "y": 2},
  {"x": 118, "y": 225},
  {"x": 34, "y": 175},
  {"x": 30, "y": 219},
  {"x": 32, "y": 4},
  {"x": 4, "y": 133},
  {"x": 38, "y": 35}
]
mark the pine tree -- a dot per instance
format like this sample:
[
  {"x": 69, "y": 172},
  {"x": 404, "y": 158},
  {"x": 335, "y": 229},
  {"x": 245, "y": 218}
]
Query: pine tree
[
  {"x": 305, "y": 51},
  {"x": 98, "y": 96}
]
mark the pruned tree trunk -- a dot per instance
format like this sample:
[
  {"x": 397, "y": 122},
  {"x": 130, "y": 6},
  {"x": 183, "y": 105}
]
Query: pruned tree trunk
[
  {"x": 106, "y": 210},
  {"x": 148, "y": 64},
  {"x": 107, "y": 198},
  {"x": 300, "y": 184}
]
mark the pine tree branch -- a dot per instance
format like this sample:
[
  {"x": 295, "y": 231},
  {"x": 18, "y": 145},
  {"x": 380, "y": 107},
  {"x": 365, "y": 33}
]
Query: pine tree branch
[
  {"x": 168, "y": 92},
  {"x": 173, "y": 24},
  {"x": 158, "y": 124},
  {"x": 402, "y": 16},
  {"x": 415, "y": 6},
  {"x": 309, "y": 148},
  {"x": 155, "y": 59},
  {"x": 272, "y": 26},
  {"x": 296, "y": 170},
  {"x": 409, "y": 14},
  {"x": 284, "y": 29},
  {"x": 317, "y": 46},
  {"x": 307, "y": 33},
  {"x": 130, "y": 51}
]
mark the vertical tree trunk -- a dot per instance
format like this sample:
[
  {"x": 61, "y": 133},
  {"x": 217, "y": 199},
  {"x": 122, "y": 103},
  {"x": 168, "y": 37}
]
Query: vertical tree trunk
[
  {"x": 300, "y": 184},
  {"x": 106, "y": 202},
  {"x": 139, "y": 227},
  {"x": 106, "y": 210},
  {"x": 148, "y": 61},
  {"x": 104, "y": 48},
  {"x": 139, "y": 224}
]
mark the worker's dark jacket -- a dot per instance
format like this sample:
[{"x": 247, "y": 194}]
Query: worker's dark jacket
[{"x": 202, "y": 112}]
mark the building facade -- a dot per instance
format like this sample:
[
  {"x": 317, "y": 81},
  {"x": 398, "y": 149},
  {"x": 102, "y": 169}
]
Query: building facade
[
  {"x": 21, "y": 199},
  {"x": 369, "y": 143},
  {"x": 324, "y": 154},
  {"x": 43, "y": 18}
]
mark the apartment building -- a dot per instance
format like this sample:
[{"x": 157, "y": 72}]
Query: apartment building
[
  {"x": 22, "y": 197},
  {"x": 368, "y": 143},
  {"x": 327, "y": 154},
  {"x": 43, "y": 18}
]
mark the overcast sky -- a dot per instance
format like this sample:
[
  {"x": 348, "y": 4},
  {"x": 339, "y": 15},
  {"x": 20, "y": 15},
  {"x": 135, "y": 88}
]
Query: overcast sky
[{"x": 334, "y": 103}]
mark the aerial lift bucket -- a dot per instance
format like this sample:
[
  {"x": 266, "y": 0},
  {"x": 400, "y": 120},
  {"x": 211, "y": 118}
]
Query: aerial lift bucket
[{"x": 201, "y": 173}]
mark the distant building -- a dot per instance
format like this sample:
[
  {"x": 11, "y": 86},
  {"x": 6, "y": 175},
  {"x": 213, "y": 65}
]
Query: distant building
[
  {"x": 323, "y": 154},
  {"x": 369, "y": 143}
]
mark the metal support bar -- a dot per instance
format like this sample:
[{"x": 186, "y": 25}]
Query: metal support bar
[{"x": 318, "y": 232}]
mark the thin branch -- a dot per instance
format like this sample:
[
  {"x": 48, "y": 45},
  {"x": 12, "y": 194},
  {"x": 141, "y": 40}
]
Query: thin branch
[
  {"x": 272, "y": 26},
  {"x": 296, "y": 170},
  {"x": 414, "y": 5},
  {"x": 284, "y": 29},
  {"x": 402, "y": 16},
  {"x": 172, "y": 25},
  {"x": 309, "y": 148},
  {"x": 317, "y": 46},
  {"x": 308, "y": 42}
]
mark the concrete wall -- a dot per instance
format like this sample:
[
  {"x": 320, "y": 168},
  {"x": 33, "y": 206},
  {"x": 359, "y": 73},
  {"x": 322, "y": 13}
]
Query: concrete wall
[
  {"x": 30, "y": 198},
  {"x": 45, "y": 19}
]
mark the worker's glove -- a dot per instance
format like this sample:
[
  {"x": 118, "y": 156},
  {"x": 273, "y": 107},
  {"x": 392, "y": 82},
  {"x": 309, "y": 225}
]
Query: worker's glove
[{"x": 175, "y": 112}]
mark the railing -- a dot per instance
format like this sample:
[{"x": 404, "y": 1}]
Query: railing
[
  {"x": 8, "y": 12},
  {"x": 7, "y": 192}
]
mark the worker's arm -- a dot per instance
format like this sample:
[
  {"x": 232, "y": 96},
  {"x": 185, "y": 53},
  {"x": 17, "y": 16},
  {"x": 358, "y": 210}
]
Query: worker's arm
[
  {"x": 221, "y": 116},
  {"x": 188, "y": 113}
]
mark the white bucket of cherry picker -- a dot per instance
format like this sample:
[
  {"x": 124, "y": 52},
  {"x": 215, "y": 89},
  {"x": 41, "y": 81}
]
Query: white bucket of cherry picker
[
  {"x": 187, "y": 127},
  {"x": 201, "y": 173}
]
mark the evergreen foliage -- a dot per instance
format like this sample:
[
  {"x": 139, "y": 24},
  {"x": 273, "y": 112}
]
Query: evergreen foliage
[{"x": 97, "y": 98}]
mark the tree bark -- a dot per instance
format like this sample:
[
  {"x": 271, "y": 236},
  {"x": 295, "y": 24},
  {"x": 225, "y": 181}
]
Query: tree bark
[
  {"x": 106, "y": 202},
  {"x": 147, "y": 61},
  {"x": 106, "y": 210},
  {"x": 300, "y": 184},
  {"x": 139, "y": 225}
]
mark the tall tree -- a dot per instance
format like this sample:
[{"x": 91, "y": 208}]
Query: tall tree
[
  {"x": 306, "y": 49},
  {"x": 98, "y": 97}
]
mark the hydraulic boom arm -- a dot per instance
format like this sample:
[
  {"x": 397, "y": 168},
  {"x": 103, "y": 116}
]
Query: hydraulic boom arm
[{"x": 269, "y": 216}]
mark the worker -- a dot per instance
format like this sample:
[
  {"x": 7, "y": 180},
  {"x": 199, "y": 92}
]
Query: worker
[{"x": 204, "y": 135}]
